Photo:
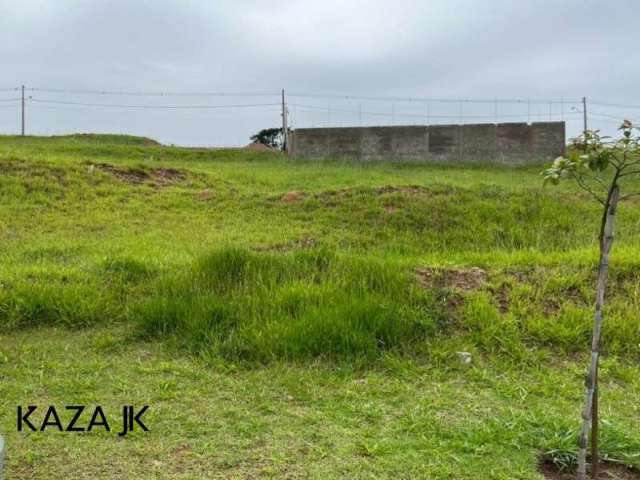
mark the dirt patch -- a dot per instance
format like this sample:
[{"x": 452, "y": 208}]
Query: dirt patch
[
  {"x": 181, "y": 450},
  {"x": 571, "y": 294},
  {"x": 502, "y": 298},
  {"x": 167, "y": 175},
  {"x": 464, "y": 279},
  {"x": 406, "y": 189},
  {"x": 137, "y": 175},
  {"x": 524, "y": 274},
  {"x": 125, "y": 174},
  {"x": 390, "y": 209},
  {"x": 206, "y": 195},
  {"x": 291, "y": 197},
  {"x": 551, "y": 307},
  {"x": 608, "y": 471}
]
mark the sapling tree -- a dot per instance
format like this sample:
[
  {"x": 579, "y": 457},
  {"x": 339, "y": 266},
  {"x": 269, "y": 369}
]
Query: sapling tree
[{"x": 602, "y": 167}]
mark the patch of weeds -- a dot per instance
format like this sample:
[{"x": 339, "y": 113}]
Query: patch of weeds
[
  {"x": 127, "y": 270},
  {"x": 44, "y": 303},
  {"x": 303, "y": 305}
]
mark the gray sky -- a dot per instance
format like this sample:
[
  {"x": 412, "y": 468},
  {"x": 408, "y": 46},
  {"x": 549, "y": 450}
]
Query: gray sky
[{"x": 438, "y": 49}]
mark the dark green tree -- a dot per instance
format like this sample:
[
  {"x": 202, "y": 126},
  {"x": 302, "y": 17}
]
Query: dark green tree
[{"x": 271, "y": 137}]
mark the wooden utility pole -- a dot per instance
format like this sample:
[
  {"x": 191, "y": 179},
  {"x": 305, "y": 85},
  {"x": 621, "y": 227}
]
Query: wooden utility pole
[
  {"x": 584, "y": 113},
  {"x": 285, "y": 130},
  {"x": 22, "y": 130}
]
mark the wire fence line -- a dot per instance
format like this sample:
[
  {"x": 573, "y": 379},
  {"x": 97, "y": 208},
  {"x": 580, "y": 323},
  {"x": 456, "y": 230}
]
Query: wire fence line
[
  {"x": 304, "y": 109},
  {"x": 417, "y": 115}
]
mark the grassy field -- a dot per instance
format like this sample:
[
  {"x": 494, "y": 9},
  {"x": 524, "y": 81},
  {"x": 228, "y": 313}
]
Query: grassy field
[{"x": 300, "y": 319}]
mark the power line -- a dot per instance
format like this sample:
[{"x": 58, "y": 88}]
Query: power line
[
  {"x": 301, "y": 95},
  {"x": 343, "y": 96},
  {"x": 9, "y": 99},
  {"x": 151, "y": 107},
  {"x": 616, "y": 117},
  {"x": 155, "y": 94},
  {"x": 613, "y": 122},
  {"x": 83, "y": 108},
  {"x": 614, "y": 105}
]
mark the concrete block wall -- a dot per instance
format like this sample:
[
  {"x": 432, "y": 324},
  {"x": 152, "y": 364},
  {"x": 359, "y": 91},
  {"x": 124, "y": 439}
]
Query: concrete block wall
[{"x": 507, "y": 143}]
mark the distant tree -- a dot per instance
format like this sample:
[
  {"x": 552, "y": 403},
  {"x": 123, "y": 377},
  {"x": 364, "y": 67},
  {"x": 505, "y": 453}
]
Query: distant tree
[
  {"x": 271, "y": 137},
  {"x": 601, "y": 166}
]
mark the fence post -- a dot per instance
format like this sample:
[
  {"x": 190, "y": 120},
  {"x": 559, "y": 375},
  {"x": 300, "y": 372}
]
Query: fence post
[
  {"x": 285, "y": 133},
  {"x": 22, "y": 129},
  {"x": 584, "y": 113}
]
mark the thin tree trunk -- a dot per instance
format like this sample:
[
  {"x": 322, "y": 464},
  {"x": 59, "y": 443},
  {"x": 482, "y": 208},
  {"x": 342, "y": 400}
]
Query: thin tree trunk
[
  {"x": 591, "y": 380},
  {"x": 595, "y": 456}
]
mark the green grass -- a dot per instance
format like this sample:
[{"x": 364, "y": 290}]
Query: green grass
[{"x": 270, "y": 313}]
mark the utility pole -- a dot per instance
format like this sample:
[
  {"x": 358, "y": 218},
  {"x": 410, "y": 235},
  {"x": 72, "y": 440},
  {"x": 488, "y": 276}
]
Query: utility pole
[
  {"x": 22, "y": 111},
  {"x": 584, "y": 113},
  {"x": 285, "y": 132}
]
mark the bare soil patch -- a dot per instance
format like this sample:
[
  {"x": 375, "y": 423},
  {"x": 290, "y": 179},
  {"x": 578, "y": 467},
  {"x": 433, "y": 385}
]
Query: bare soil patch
[
  {"x": 464, "y": 279},
  {"x": 136, "y": 175},
  {"x": 167, "y": 175},
  {"x": 291, "y": 197},
  {"x": 503, "y": 299},
  {"x": 125, "y": 174},
  {"x": 390, "y": 208},
  {"x": 608, "y": 471},
  {"x": 206, "y": 195},
  {"x": 406, "y": 189}
]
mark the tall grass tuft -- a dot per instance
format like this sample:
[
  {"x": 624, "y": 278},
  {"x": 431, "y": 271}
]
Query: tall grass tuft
[{"x": 261, "y": 307}]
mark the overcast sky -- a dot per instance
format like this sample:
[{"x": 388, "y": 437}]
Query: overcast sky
[{"x": 438, "y": 49}]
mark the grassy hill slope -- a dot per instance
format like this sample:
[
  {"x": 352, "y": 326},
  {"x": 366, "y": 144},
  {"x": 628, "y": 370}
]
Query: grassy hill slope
[{"x": 288, "y": 318}]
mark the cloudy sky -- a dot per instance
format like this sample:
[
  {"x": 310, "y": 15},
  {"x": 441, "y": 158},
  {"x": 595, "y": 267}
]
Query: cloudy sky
[{"x": 342, "y": 62}]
